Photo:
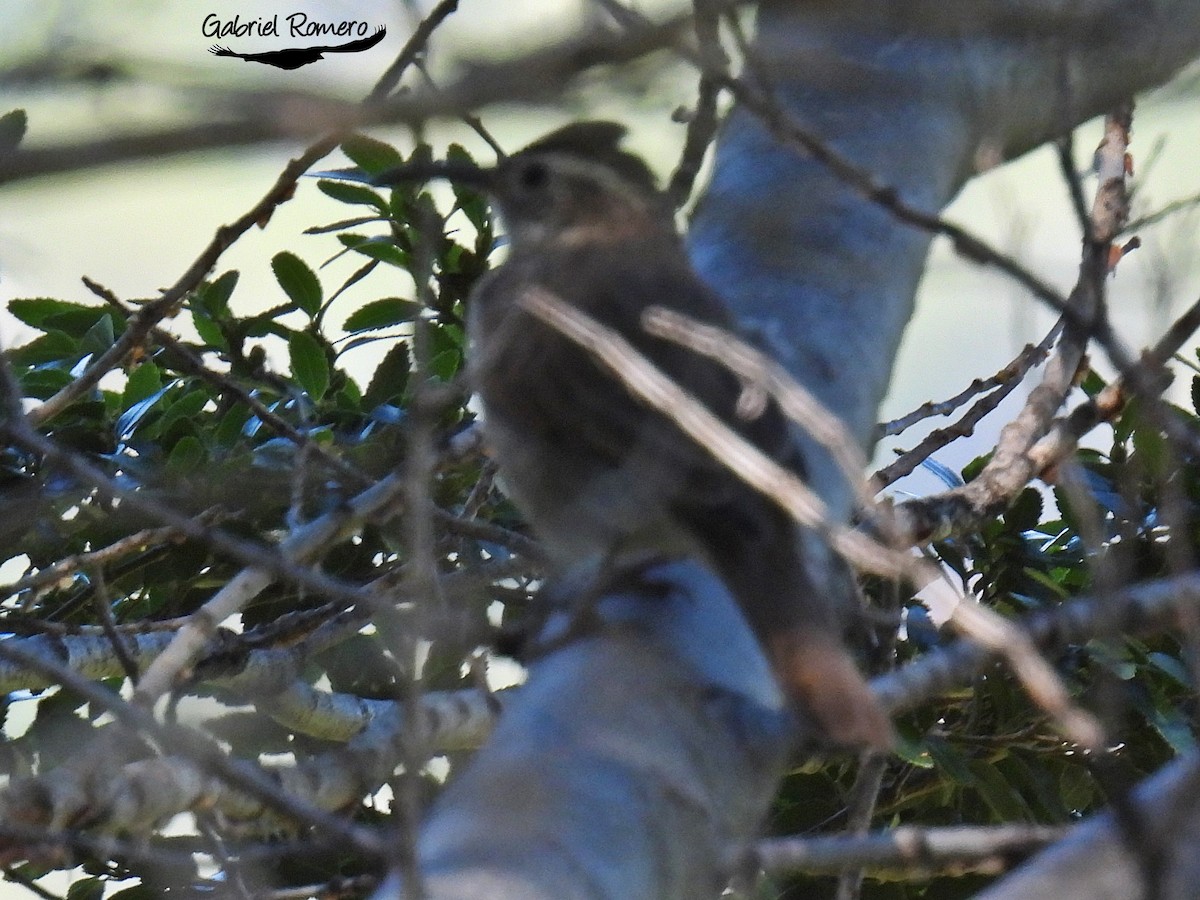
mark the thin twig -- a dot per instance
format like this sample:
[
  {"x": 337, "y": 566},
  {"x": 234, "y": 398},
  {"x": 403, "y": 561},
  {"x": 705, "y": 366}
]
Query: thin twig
[
  {"x": 489, "y": 531},
  {"x": 1066, "y": 164},
  {"x": 186, "y": 360},
  {"x": 250, "y": 553},
  {"x": 471, "y": 121},
  {"x": 702, "y": 125},
  {"x": 908, "y": 461},
  {"x": 66, "y": 567},
  {"x": 421, "y": 567},
  {"x": 860, "y": 808},
  {"x": 412, "y": 51},
  {"x": 1158, "y": 215},
  {"x": 1030, "y": 356},
  {"x": 125, "y": 655},
  {"x": 785, "y": 488},
  {"x": 1011, "y": 467}
]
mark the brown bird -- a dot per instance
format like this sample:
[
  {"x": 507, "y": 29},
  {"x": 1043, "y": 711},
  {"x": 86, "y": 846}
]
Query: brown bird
[{"x": 601, "y": 476}]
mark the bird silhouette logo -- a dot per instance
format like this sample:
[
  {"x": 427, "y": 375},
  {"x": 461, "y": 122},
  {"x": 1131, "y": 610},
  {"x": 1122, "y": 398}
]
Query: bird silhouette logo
[{"x": 295, "y": 57}]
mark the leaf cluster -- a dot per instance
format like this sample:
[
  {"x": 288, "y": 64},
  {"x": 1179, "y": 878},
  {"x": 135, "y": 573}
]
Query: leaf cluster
[
  {"x": 257, "y": 420},
  {"x": 983, "y": 754}
]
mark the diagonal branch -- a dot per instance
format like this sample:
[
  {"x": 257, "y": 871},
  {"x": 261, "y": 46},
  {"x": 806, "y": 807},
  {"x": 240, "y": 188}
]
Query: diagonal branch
[
  {"x": 784, "y": 487},
  {"x": 1011, "y": 468},
  {"x": 907, "y": 848}
]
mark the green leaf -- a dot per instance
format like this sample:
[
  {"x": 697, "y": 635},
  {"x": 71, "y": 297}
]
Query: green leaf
[
  {"x": 470, "y": 200},
  {"x": 99, "y": 337},
  {"x": 1048, "y": 581},
  {"x": 186, "y": 407},
  {"x": 208, "y": 330},
  {"x": 445, "y": 365},
  {"x": 1005, "y": 802},
  {"x": 390, "y": 378},
  {"x": 143, "y": 381},
  {"x": 913, "y": 751},
  {"x": 972, "y": 469},
  {"x": 86, "y": 889},
  {"x": 345, "y": 192},
  {"x": 44, "y": 382},
  {"x": 382, "y": 314},
  {"x": 213, "y": 296},
  {"x": 186, "y": 456},
  {"x": 383, "y": 249},
  {"x": 1092, "y": 383},
  {"x": 1171, "y": 667},
  {"x": 298, "y": 281},
  {"x": 1129, "y": 419},
  {"x": 370, "y": 155},
  {"x": 1026, "y": 512},
  {"x": 229, "y": 429},
  {"x": 359, "y": 274},
  {"x": 12, "y": 129},
  {"x": 309, "y": 364},
  {"x": 137, "y": 892},
  {"x": 350, "y": 396},
  {"x": 130, "y": 419},
  {"x": 341, "y": 225},
  {"x": 1171, "y": 725},
  {"x": 44, "y": 313},
  {"x": 1152, "y": 449},
  {"x": 52, "y": 347}
]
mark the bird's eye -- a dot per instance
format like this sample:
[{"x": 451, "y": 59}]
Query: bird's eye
[{"x": 534, "y": 175}]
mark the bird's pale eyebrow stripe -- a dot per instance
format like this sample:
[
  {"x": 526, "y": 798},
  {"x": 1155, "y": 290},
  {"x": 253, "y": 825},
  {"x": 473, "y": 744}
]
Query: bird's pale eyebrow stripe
[{"x": 607, "y": 178}]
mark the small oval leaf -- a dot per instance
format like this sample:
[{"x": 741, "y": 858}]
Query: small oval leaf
[
  {"x": 382, "y": 314},
  {"x": 390, "y": 378},
  {"x": 309, "y": 364},
  {"x": 371, "y": 155},
  {"x": 298, "y": 281},
  {"x": 352, "y": 193}
]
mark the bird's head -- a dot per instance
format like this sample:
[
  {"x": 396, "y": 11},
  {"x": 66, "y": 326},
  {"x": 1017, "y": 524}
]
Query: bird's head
[{"x": 575, "y": 184}]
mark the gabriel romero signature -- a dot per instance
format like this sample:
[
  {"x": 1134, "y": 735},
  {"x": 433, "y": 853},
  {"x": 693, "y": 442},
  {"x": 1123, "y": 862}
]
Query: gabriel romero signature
[{"x": 297, "y": 25}]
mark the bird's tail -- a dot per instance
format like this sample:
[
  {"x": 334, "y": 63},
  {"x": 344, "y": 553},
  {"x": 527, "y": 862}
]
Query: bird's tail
[
  {"x": 755, "y": 549},
  {"x": 818, "y": 674}
]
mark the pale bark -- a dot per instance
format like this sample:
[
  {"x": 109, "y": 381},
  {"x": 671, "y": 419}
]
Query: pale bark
[
  {"x": 1104, "y": 861},
  {"x": 637, "y": 761}
]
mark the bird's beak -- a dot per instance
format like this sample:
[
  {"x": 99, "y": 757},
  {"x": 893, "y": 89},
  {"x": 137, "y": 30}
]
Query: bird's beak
[{"x": 456, "y": 172}]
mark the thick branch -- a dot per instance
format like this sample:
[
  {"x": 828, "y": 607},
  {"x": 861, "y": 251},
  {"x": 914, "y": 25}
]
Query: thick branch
[
  {"x": 910, "y": 849},
  {"x": 1096, "y": 862}
]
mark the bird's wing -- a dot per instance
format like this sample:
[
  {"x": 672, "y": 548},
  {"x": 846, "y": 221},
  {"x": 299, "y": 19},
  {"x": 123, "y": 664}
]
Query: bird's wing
[
  {"x": 218, "y": 50},
  {"x": 549, "y": 384},
  {"x": 355, "y": 46}
]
